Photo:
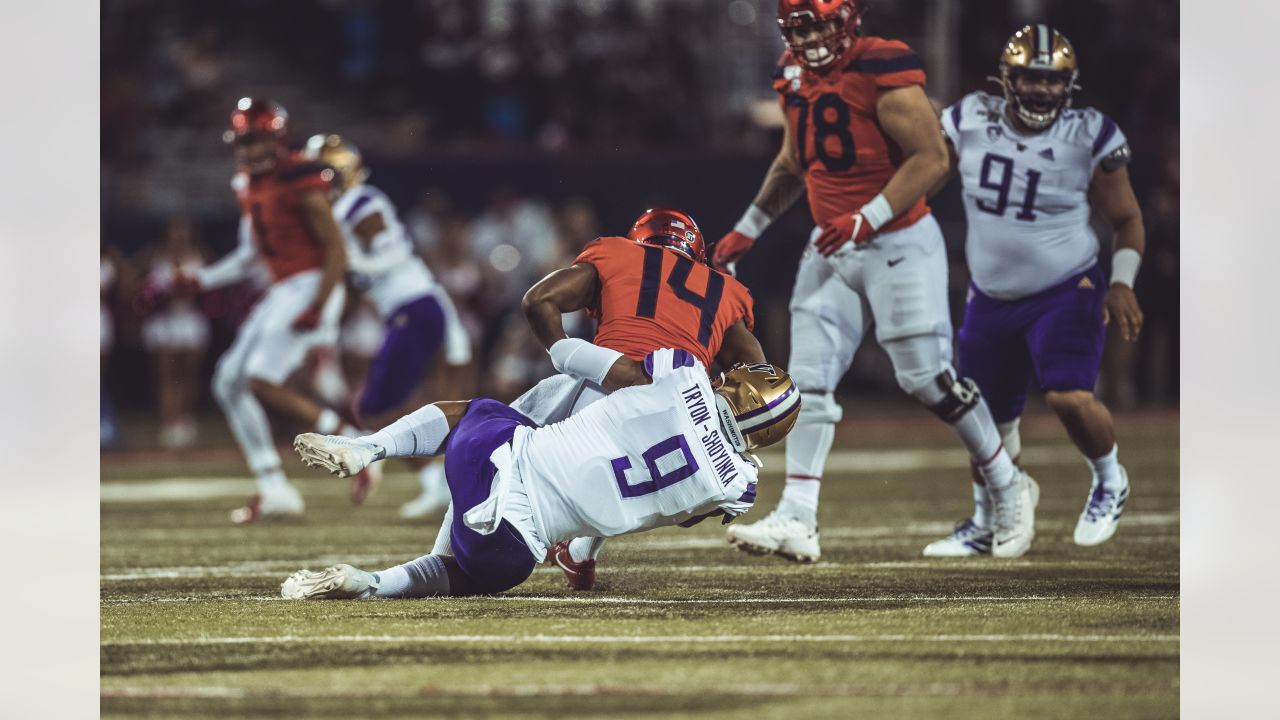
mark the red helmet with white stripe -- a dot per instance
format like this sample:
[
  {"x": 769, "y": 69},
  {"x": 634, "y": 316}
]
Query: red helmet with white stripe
[{"x": 669, "y": 228}]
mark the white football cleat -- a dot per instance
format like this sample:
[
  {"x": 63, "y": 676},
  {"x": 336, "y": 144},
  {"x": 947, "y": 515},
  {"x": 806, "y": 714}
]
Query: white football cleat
[
  {"x": 1101, "y": 513},
  {"x": 779, "y": 534},
  {"x": 284, "y": 503},
  {"x": 341, "y": 456},
  {"x": 1014, "y": 516},
  {"x": 967, "y": 540},
  {"x": 340, "y": 582}
]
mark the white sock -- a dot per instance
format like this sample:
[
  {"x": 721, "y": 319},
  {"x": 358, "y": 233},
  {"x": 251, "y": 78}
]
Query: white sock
[
  {"x": 981, "y": 506},
  {"x": 1011, "y": 437},
  {"x": 1106, "y": 470},
  {"x": 444, "y": 538},
  {"x": 423, "y": 577},
  {"x": 249, "y": 425},
  {"x": 808, "y": 445},
  {"x": 978, "y": 432},
  {"x": 272, "y": 481},
  {"x": 800, "y": 498},
  {"x": 585, "y": 548},
  {"x": 421, "y": 433}
]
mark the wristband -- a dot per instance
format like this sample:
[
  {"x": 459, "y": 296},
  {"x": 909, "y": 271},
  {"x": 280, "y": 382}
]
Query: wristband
[
  {"x": 753, "y": 222},
  {"x": 877, "y": 212},
  {"x": 1124, "y": 266},
  {"x": 581, "y": 359}
]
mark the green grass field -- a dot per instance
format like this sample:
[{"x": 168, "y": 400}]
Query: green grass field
[{"x": 193, "y": 626}]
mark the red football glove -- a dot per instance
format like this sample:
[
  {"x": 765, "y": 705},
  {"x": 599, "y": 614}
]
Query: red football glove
[
  {"x": 730, "y": 250},
  {"x": 309, "y": 319},
  {"x": 841, "y": 230}
]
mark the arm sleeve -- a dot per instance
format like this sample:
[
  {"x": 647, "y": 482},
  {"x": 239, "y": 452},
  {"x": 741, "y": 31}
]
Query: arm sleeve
[{"x": 236, "y": 265}]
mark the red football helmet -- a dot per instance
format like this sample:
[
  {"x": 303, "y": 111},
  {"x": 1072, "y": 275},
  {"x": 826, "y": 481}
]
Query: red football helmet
[
  {"x": 257, "y": 115},
  {"x": 669, "y": 228},
  {"x": 837, "y": 23}
]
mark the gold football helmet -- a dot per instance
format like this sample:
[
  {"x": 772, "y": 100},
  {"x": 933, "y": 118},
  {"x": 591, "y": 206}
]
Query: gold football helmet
[
  {"x": 339, "y": 154},
  {"x": 1038, "y": 51},
  {"x": 758, "y": 405}
]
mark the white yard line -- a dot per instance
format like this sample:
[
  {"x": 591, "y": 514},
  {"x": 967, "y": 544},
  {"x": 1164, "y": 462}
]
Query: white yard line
[
  {"x": 642, "y": 639},
  {"x": 606, "y": 600},
  {"x": 179, "y": 489},
  {"x": 754, "y": 689}
]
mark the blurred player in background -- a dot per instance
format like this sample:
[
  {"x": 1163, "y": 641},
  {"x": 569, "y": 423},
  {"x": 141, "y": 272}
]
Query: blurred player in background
[
  {"x": 1031, "y": 170},
  {"x": 649, "y": 290},
  {"x": 418, "y": 317},
  {"x": 286, "y": 222},
  {"x": 673, "y": 450},
  {"x": 863, "y": 139},
  {"x": 176, "y": 335}
]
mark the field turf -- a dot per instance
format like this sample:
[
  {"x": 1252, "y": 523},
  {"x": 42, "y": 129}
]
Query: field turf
[{"x": 192, "y": 625}]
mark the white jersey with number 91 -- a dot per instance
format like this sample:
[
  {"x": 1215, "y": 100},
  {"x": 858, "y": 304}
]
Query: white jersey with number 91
[
  {"x": 1026, "y": 195},
  {"x": 641, "y": 458}
]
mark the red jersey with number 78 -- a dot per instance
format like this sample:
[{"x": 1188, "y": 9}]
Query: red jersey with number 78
[
  {"x": 273, "y": 202},
  {"x": 653, "y": 297},
  {"x": 846, "y": 156}
]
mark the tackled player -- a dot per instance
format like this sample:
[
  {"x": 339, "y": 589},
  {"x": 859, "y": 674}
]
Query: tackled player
[{"x": 674, "y": 449}]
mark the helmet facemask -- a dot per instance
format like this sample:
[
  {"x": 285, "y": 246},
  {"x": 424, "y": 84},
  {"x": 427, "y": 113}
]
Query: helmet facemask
[
  {"x": 1039, "y": 106},
  {"x": 816, "y": 43},
  {"x": 1038, "y": 71}
]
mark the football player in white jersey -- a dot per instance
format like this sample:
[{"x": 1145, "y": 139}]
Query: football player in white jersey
[
  {"x": 417, "y": 312},
  {"x": 671, "y": 450},
  {"x": 1032, "y": 170}
]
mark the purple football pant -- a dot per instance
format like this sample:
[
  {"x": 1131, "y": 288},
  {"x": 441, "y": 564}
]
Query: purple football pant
[
  {"x": 501, "y": 560},
  {"x": 415, "y": 332},
  {"x": 1057, "y": 334}
]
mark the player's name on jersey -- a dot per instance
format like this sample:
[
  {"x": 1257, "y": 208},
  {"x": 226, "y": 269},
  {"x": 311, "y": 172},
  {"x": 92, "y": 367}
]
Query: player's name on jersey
[{"x": 696, "y": 403}]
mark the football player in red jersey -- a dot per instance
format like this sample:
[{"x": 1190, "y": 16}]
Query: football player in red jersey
[
  {"x": 649, "y": 290},
  {"x": 863, "y": 140},
  {"x": 287, "y": 223}
]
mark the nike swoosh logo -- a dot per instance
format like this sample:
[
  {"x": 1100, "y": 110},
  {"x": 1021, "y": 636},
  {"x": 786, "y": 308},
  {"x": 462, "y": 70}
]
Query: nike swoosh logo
[{"x": 895, "y": 261}]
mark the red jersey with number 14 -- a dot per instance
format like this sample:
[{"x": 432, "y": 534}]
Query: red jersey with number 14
[
  {"x": 847, "y": 158},
  {"x": 653, "y": 297},
  {"x": 273, "y": 202}
]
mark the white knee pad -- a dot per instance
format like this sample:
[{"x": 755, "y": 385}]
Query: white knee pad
[{"x": 819, "y": 407}]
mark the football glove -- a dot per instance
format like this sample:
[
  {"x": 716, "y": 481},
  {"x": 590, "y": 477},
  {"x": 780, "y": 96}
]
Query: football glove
[
  {"x": 841, "y": 230},
  {"x": 730, "y": 250}
]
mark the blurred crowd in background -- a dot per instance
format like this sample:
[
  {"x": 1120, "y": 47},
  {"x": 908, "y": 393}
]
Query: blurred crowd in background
[{"x": 512, "y": 132}]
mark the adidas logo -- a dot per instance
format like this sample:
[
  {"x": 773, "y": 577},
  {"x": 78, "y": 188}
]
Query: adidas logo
[
  {"x": 1046, "y": 153},
  {"x": 1085, "y": 284}
]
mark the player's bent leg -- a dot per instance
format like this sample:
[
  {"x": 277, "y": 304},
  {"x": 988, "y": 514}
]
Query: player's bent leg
[
  {"x": 922, "y": 371},
  {"x": 276, "y": 497},
  {"x": 1091, "y": 428}
]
